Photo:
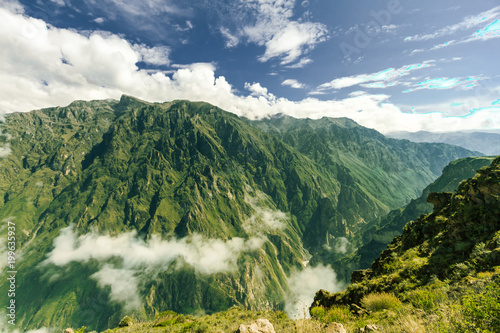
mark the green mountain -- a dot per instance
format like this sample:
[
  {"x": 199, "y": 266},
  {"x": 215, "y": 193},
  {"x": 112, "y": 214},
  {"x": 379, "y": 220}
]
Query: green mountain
[
  {"x": 376, "y": 238},
  {"x": 135, "y": 207},
  {"x": 387, "y": 170},
  {"x": 446, "y": 263}
]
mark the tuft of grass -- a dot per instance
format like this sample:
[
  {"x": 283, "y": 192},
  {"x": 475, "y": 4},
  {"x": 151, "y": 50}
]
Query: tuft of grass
[{"x": 380, "y": 301}]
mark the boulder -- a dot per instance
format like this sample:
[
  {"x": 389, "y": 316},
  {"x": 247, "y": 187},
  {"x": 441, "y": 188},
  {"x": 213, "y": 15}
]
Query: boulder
[
  {"x": 335, "y": 328},
  {"x": 259, "y": 326}
]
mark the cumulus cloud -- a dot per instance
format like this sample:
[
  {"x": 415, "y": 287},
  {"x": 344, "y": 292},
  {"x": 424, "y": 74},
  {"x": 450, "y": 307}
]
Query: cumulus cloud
[
  {"x": 304, "y": 284},
  {"x": 43, "y": 66},
  {"x": 143, "y": 259},
  {"x": 269, "y": 23}
]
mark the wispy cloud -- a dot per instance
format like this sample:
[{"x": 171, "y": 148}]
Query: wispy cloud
[
  {"x": 293, "y": 84},
  {"x": 382, "y": 79},
  {"x": 444, "y": 83},
  {"x": 304, "y": 284},
  {"x": 468, "y": 23}
]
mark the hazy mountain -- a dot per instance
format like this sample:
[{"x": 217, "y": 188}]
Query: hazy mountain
[
  {"x": 487, "y": 143},
  {"x": 135, "y": 207}
]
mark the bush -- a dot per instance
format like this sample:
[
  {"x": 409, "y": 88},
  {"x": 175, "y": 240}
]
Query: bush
[
  {"x": 318, "y": 312},
  {"x": 380, "y": 301},
  {"x": 338, "y": 314}
]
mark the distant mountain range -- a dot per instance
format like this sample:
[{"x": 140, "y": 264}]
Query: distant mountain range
[
  {"x": 487, "y": 143},
  {"x": 128, "y": 207}
]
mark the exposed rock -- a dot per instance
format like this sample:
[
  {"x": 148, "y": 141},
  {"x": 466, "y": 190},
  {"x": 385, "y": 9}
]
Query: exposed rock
[
  {"x": 371, "y": 328},
  {"x": 357, "y": 310},
  {"x": 335, "y": 328},
  {"x": 259, "y": 326},
  {"x": 69, "y": 330},
  {"x": 439, "y": 200},
  {"x": 359, "y": 275},
  {"x": 367, "y": 328}
]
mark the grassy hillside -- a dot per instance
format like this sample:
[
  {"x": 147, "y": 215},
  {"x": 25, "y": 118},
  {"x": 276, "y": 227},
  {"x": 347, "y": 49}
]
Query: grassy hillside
[
  {"x": 376, "y": 238},
  {"x": 445, "y": 265}
]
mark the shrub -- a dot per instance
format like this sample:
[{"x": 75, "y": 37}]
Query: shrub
[
  {"x": 318, "y": 312},
  {"x": 338, "y": 314},
  {"x": 380, "y": 301}
]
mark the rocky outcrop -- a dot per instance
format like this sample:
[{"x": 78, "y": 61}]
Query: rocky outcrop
[
  {"x": 439, "y": 200},
  {"x": 335, "y": 328},
  {"x": 259, "y": 326}
]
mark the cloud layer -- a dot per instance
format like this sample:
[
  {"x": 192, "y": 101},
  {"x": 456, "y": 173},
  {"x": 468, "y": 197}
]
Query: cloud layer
[{"x": 140, "y": 259}]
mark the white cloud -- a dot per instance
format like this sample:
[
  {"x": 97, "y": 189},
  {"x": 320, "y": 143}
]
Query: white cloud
[
  {"x": 468, "y": 23},
  {"x": 263, "y": 219},
  {"x": 157, "y": 55},
  {"x": 304, "y": 284},
  {"x": 231, "y": 40},
  {"x": 445, "y": 83},
  {"x": 382, "y": 79},
  {"x": 300, "y": 64},
  {"x": 293, "y": 83},
  {"x": 269, "y": 23},
  {"x": 142, "y": 260},
  {"x": 75, "y": 66},
  {"x": 99, "y": 20},
  {"x": 12, "y": 6}
]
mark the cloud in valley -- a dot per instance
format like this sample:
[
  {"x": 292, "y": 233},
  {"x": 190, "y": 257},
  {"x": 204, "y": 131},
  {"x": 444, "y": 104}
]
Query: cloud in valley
[
  {"x": 304, "y": 284},
  {"x": 143, "y": 259}
]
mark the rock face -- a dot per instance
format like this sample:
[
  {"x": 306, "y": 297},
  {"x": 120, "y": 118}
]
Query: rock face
[
  {"x": 259, "y": 326},
  {"x": 439, "y": 200}
]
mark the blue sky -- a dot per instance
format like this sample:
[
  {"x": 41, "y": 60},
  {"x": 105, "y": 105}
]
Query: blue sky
[{"x": 389, "y": 65}]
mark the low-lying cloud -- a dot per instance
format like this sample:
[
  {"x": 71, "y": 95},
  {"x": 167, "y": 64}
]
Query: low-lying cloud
[
  {"x": 143, "y": 259},
  {"x": 304, "y": 284}
]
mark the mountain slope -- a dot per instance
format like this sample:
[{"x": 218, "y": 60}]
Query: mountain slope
[
  {"x": 376, "y": 238},
  {"x": 182, "y": 175},
  {"x": 391, "y": 171},
  {"x": 137, "y": 207},
  {"x": 451, "y": 255}
]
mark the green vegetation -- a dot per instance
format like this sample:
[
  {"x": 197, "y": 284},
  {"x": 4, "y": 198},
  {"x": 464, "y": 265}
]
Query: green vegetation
[
  {"x": 182, "y": 168},
  {"x": 380, "y": 301},
  {"x": 444, "y": 268}
]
